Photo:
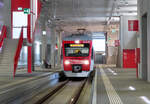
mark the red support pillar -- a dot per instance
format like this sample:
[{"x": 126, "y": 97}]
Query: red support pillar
[
  {"x": 30, "y": 45},
  {"x": 29, "y": 59}
]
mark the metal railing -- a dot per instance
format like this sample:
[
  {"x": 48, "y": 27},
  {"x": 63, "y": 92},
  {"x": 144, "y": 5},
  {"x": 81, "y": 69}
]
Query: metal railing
[{"x": 3, "y": 35}]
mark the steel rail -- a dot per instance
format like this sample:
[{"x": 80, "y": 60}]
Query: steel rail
[
  {"x": 50, "y": 94},
  {"x": 76, "y": 96}
]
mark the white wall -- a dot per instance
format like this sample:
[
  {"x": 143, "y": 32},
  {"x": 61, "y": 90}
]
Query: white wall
[
  {"x": 128, "y": 39},
  {"x": 143, "y": 8}
]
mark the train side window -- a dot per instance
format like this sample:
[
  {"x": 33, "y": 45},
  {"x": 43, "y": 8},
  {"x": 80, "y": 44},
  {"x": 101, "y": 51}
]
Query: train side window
[{"x": 92, "y": 56}]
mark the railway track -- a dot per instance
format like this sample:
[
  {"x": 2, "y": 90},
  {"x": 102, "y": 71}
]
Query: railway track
[
  {"x": 51, "y": 93},
  {"x": 76, "y": 96},
  {"x": 68, "y": 92}
]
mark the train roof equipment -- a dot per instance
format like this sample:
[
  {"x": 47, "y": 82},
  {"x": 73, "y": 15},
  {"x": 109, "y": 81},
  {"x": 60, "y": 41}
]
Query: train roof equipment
[{"x": 77, "y": 37}]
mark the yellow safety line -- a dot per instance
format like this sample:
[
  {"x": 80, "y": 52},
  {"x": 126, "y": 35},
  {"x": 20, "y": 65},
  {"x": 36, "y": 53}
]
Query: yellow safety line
[
  {"x": 94, "y": 101},
  {"x": 111, "y": 92}
]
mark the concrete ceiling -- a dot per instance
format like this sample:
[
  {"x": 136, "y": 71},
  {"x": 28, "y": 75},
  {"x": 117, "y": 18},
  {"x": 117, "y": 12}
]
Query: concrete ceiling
[{"x": 83, "y": 13}]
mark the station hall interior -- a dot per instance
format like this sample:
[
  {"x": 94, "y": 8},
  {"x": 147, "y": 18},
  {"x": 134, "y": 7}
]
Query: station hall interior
[{"x": 74, "y": 51}]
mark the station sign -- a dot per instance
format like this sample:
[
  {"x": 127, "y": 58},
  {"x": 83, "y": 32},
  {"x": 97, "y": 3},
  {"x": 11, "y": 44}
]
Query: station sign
[
  {"x": 26, "y": 11},
  {"x": 76, "y": 45}
]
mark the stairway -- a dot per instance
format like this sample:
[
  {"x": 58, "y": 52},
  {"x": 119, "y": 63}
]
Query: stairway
[{"x": 7, "y": 57}]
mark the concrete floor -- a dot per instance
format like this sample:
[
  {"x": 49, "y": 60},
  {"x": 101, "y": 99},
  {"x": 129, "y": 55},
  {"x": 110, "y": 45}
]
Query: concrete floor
[
  {"x": 120, "y": 86},
  {"x": 22, "y": 75}
]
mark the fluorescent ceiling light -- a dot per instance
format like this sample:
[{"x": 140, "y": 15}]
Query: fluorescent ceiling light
[{"x": 44, "y": 32}]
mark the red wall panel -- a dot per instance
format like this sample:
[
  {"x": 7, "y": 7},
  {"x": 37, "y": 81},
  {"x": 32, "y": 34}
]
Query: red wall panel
[
  {"x": 19, "y": 3},
  {"x": 133, "y": 25},
  {"x": 129, "y": 60},
  {"x": 137, "y": 53}
]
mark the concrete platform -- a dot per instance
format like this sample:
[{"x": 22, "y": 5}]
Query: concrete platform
[
  {"x": 22, "y": 76},
  {"x": 120, "y": 86},
  {"x": 24, "y": 86}
]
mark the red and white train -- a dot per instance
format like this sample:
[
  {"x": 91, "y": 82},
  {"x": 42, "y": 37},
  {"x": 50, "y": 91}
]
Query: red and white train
[{"x": 78, "y": 55}]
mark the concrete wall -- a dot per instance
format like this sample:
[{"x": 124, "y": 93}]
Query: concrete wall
[
  {"x": 128, "y": 39},
  {"x": 144, "y": 8},
  {"x": 148, "y": 39}
]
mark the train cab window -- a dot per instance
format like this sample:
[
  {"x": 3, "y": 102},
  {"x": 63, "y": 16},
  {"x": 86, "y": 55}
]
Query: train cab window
[{"x": 76, "y": 50}]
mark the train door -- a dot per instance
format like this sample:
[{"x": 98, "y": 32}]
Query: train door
[{"x": 92, "y": 59}]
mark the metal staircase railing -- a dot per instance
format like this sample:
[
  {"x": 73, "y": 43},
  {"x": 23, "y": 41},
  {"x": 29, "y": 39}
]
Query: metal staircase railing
[{"x": 3, "y": 35}]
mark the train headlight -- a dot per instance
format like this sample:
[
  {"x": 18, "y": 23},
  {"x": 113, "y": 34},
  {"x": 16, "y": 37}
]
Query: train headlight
[
  {"x": 67, "y": 62},
  {"x": 77, "y": 41},
  {"x": 86, "y": 62}
]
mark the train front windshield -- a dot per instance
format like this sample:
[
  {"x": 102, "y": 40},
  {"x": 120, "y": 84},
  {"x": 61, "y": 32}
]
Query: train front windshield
[{"x": 77, "y": 50}]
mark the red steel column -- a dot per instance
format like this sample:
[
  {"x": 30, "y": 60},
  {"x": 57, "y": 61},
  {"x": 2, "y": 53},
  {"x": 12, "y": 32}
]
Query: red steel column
[
  {"x": 29, "y": 59},
  {"x": 29, "y": 47}
]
